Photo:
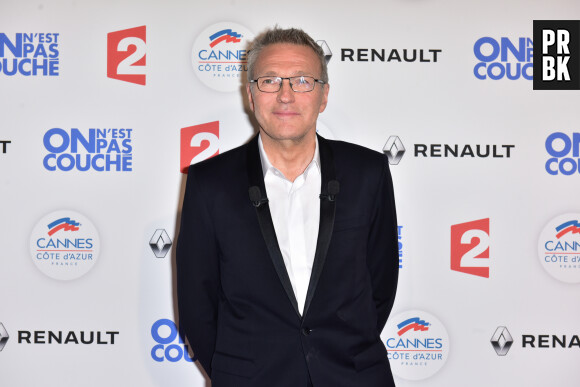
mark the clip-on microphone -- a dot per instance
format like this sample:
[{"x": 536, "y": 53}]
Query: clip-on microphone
[
  {"x": 256, "y": 196},
  {"x": 333, "y": 188}
]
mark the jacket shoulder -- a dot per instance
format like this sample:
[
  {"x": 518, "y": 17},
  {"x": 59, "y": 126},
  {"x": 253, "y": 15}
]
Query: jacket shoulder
[
  {"x": 222, "y": 164},
  {"x": 352, "y": 156}
]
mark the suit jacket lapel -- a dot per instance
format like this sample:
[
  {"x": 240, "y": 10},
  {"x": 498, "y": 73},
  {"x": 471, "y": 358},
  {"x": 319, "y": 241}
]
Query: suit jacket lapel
[
  {"x": 256, "y": 179},
  {"x": 327, "y": 211}
]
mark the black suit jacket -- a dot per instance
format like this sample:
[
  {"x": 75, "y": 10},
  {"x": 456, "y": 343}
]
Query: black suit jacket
[{"x": 235, "y": 300}]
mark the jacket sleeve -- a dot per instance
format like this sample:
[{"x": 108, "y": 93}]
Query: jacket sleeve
[
  {"x": 383, "y": 250},
  {"x": 198, "y": 276}
]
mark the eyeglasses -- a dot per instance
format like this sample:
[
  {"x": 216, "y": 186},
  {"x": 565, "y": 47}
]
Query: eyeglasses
[{"x": 299, "y": 84}]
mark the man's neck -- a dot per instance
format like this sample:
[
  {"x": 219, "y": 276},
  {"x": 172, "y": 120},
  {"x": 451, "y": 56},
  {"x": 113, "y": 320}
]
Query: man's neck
[{"x": 291, "y": 157}]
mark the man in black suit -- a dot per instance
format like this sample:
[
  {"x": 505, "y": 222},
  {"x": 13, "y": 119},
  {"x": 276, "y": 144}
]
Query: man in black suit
[{"x": 287, "y": 259}]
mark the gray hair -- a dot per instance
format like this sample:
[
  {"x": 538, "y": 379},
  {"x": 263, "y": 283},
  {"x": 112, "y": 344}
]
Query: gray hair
[{"x": 290, "y": 36}]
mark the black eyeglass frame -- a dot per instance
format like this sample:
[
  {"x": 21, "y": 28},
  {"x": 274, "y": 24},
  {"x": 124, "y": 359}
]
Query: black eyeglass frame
[{"x": 289, "y": 81}]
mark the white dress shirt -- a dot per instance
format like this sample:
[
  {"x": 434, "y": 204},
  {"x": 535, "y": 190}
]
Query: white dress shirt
[{"x": 295, "y": 209}]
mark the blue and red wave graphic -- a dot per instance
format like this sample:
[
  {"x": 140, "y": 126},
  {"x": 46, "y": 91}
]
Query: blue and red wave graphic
[
  {"x": 227, "y": 36},
  {"x": 414, "y": 323},
  {"x": 65, "y": 224},
  {"x": 571, "y": 226}
]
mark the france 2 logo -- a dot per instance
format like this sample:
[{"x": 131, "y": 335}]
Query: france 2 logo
[
  {"x": 126, "y": 55},
  {"x": 470, "y": 247},
  {"x": 198, "y": 143}
]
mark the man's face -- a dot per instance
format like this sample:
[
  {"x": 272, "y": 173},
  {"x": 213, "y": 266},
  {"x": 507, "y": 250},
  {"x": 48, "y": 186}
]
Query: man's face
[{"x": 287, "y": 115}]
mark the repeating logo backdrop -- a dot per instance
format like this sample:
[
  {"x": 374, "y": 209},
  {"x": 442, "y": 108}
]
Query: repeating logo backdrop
[{"x": 103, "y": 109}]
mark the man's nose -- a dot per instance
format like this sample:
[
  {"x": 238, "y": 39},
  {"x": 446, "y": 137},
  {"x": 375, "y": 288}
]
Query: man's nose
[{"x": 285, "y": 94}]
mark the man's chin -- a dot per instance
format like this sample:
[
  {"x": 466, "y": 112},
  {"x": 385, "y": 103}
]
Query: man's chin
[{"x": 289, "y": 135}]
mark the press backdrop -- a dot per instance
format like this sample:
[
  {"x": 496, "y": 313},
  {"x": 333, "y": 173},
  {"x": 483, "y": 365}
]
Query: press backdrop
[{"x": 105, "y": 104}]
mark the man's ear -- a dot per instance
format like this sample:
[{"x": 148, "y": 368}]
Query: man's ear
[
  {"x": 250, "y": 96},
  {"x": 325, "y": 90}
]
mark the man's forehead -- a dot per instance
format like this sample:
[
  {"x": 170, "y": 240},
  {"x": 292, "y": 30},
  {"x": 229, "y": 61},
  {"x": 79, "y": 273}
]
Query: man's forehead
[{"x": 301, "y": 59}]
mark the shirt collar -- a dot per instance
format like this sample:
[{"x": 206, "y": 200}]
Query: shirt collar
[{"x": 267, "y": 165}]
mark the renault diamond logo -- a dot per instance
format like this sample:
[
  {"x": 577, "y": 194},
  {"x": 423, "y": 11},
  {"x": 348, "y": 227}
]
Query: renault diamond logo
[
  {"x": 160, "y": 243},
  {"x": 501, "y": 341},
  {"x": 394, "y": 150},
  {"x": 325, "y": 49},
  {"x": 3, "y": 336}
]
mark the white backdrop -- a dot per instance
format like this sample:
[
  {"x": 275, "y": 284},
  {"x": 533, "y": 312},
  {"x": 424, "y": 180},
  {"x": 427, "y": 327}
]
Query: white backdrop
[{"x": 126, "y": 290}]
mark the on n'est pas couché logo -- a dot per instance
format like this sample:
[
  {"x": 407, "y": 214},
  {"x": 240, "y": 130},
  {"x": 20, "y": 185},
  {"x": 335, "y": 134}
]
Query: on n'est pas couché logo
[
  {"x": 564, "y": 152},
  {"x": 98, "y": 149},
  {"x": 219, "y": 55},
  {"x": 504, "y": 58},
  {"x": 417, "y": 344},
  {"x": 64, "y": 245},
  {"x": 30, "y": 54},
  {"x": 559, "y": 247},
  {"x": 169, "y": 345}
]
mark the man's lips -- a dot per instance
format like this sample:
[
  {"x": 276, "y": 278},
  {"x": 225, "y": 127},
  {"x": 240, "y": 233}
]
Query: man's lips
[{"x": 285, "y": 114}]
